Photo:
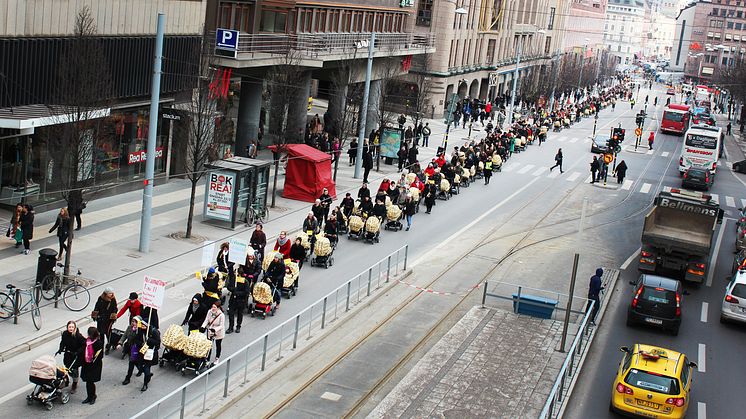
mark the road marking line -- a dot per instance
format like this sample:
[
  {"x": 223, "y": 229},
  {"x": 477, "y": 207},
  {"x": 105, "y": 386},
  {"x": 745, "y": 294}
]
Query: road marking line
[
  {"x": 666, "y": 189},
  {"x": 650, "y": 152},
  {"x": 573, "y": 176},
  {"x": 526, "y": 168},
  {"x": 743, "y": 203},
  {"x": 539, "y": 171},
  {"x": 701, "y": 410},
  {"x": 701, "y": 358},
  {"x": 664, "y": 154},
  {"x": 627, "y": 185},
  {"x": 645, "y": 188},
  {"x": 703, "y": 314},
  {"x": 554, "y": 174},
  {"x": 574, "y": 140},
  {"x": 426, "y": 255},
  {"x": 716, "y": 251},
  {"x": 511, "y": 167},
  {"x": 588, "y": 179},
  {"x": 25, "y": 389},
  {"x": 715, "y": 198},
  {"x": 729, "y": 201},
  {"x": 562, "y": 139},
  {"x": 631, "y": 257}
]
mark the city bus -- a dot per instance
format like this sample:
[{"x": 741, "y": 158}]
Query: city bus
[
  {"x": 675, "y": 118},
  {"x": 703, "y": 146}
]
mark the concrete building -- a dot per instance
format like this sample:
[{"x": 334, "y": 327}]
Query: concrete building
[
  {"x": 662, "y": 25},
  {"x": 485, "y": 39},
  {"x": 708, "y": 36},
  {"x": 36, "y": 38},
  {"x": 586, "y": 25},
  {"x": 625, "y": 29}
]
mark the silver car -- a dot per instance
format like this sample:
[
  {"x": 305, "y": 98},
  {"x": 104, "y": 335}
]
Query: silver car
[{"x": 734, "y": 301}]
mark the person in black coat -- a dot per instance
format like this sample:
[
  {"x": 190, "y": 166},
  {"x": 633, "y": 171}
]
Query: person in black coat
[
  {"x": 621, "y": 171},
  {"x": 224, "y": 265},
  {"x": 298, "y": 252},
  {"x": 150, "y": 315},
  {"x": 139, "y": 335},
  {"x": 27, "y": 227},
  {"x": 239, "y": 288},
  {"x": 252, "y": 270},
  {"x": 72, "y": 344},
  {"x": 367, "y": 163},
  {"x": 195, "y": 314},
  {"x": 105, "y": 314},
  {"x": 275, "y": 276},
  {"x": 363, "y": 192},
  {"x": 412, "y": 156},
  {"x": 352, "y": 152},
  {"x": 410, "y": 208},
  {"x": 430, "y": 193},
  {"x": 62, "y": 225},
  {"x": 402, "y": 157},
  {"x": 348, "y": 203},
  {"x": 93, "y": 363},
  {"x": 211, "y": 288}
]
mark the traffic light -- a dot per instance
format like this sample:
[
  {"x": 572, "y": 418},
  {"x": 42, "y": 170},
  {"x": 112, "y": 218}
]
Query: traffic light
[{"x": 617, "y": 134}]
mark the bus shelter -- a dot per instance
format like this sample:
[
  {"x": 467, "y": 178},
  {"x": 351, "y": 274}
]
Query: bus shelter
[{"x": 233, "y": 185}]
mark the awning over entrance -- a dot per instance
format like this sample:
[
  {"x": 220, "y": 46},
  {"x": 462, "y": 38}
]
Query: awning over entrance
[{"x": 29, "y": 117}]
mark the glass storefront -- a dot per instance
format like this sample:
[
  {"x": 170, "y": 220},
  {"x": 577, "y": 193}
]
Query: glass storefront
[{"x": 111, "y": 155}]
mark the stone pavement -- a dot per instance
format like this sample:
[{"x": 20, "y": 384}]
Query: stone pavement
[
  {"x": 492, "y": 363},
  {"x": 106, "y": 249}
]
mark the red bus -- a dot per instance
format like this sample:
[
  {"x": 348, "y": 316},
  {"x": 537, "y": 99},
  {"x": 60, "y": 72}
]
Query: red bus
[{"x": 675, "y": 119}]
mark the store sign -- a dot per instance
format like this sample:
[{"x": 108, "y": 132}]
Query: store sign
[
  {"x": 219, "y": 200},
  {"x": 171, "y": 117},
  {"x": 140, "y": 156}
]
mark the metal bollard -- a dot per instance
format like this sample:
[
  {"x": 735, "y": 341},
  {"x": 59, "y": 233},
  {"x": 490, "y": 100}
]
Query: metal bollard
[
  {"x": 323, "y": 315},
  {"x": 388, "y": 269},
  {"x": 347, "y": 303},
  {"x": 406, "y": 253},
  {"x": 370, "y": 278},
  {"x": 295, "y": 333},
  {"x": 264, "y": 352},
  {"x": 227, "y": 376}
]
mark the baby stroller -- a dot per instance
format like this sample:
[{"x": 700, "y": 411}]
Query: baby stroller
[
  {"x": 264, "y": 302},
  {"x": 372, "y": 230},
  {"x": 174, "y": 341},
  {"x": 290, "y": 283},
  {"x": 49, "y": 380},
  {"x": 322, "y": 253},
  {"x": 465, "y": 178},
  {"x": 445, "y": 190},
  {"x": 197, "y": 348},
  {"x": 355, "y": 227},
  {"x": 393, "y": 218}
]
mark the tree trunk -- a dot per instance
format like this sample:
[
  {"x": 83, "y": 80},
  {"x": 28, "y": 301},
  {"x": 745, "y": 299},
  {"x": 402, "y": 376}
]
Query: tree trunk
[
  {"x": 191, "y": 210},
  {"x": 70, "y": 234}
]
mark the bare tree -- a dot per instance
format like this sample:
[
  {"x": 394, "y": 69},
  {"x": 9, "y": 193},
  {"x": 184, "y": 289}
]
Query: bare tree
[
  {"x": 733, "y": 78},
  {"x": 346, "y": 91},
  {"x": 419, "y": 74},
  {"x": 203, "y": 129},
  {"x": 81, "y": 97},
  {"x": 390, "y": 70}
]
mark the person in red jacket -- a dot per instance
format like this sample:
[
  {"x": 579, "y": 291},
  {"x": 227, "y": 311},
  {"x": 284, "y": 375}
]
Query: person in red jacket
[
  {"x": 132, "y": 304},
  {"x": 283, "y": 245},
  {"x": 651, "y": 139}
]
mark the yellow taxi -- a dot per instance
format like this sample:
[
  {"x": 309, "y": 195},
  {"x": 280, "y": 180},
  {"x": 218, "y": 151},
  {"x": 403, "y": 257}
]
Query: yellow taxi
[{"x": 652, "y": 382}]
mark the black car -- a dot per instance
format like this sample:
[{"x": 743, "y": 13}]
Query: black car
[
  {"x": 697, "y": 178},
  {"x": 740, "y": 166},
  {"x": 656, "y": 302},
  {"x": 598, "y": 144}
]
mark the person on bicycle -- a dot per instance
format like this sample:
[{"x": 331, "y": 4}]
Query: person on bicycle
[
  {"x": 72, "y": 344},
  {"x": 132, "y": 304},
  {"x": 105, "y": 314}
]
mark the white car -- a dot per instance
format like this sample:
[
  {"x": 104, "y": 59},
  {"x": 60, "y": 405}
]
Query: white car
[{"x": 734, "y": 302}]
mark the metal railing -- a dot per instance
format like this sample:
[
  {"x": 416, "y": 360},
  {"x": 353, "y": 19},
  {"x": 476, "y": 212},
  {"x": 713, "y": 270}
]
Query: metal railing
[
  {"x": 514, "y": 296},
  {"x": 314, "y": 45},
  {"x": 250, "y": 362}
]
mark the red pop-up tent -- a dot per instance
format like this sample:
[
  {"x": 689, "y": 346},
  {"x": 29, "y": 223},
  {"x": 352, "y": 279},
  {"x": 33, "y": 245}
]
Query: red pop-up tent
[{"x": 308, "y": 172}]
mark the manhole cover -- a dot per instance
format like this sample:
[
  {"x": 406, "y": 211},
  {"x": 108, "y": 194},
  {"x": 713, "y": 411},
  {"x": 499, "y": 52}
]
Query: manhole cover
[{"x": 196, "y": 239}]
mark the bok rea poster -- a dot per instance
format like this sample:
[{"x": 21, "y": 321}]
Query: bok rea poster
[{"x": 219, "y": 196}]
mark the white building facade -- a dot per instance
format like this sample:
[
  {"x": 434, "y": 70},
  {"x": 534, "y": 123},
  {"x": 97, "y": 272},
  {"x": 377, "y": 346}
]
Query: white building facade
[{"x": 625, "y": 29}]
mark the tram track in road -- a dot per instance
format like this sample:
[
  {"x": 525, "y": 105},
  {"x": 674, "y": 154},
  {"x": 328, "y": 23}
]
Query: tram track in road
[{"x": 487, "y": 239}]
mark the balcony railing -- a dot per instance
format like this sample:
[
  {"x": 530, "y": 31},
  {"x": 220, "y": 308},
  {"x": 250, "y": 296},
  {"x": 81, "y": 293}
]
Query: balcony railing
[{"x": 319, "y": 45}]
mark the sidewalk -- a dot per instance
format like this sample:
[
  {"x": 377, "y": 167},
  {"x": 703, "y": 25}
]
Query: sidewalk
[{"x": 106, "y": 249}]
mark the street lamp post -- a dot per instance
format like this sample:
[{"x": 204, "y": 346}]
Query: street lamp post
[{"x": 515, "y": 75}]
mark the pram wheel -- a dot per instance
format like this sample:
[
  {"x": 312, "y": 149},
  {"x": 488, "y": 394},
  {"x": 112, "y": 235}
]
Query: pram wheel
[
  {"x": 29, "y": 400},
  {"x": 49, "y": 405},
  {"x": 64, "y": 398},
  {"x": 331, "y": 261}
]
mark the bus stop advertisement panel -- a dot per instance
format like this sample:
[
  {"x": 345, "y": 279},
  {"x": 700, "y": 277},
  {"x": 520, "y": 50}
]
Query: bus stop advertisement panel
[
  {"x": 232, "y": 185},
  {"x": 220, "y": 197}
]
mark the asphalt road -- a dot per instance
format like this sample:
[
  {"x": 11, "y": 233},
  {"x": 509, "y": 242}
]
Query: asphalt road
[
  {"x": 716, "y": 347},
  {"x": 528, "y": 169}
]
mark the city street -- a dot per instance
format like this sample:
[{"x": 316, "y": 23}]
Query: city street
[
  {"x": 525, "y": 180},
  {"x": 714, "y": 346}
]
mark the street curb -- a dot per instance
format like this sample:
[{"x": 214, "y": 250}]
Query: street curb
[
  {"x": 233, "y": 399},
  {"x": 579, "y": 366}
]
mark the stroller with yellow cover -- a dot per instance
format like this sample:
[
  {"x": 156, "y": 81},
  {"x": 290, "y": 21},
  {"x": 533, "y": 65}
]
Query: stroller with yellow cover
[{"x": 323, "y": 252}]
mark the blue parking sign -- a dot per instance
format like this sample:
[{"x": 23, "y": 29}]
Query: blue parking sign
[{"x": 226, "y": 39}]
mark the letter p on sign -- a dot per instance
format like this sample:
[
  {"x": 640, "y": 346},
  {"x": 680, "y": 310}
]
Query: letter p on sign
[{"x": 226, "y": 39}]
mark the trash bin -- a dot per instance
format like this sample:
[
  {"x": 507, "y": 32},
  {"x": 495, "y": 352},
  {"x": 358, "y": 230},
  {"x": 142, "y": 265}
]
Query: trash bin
[{"x": 45, "y": 266}]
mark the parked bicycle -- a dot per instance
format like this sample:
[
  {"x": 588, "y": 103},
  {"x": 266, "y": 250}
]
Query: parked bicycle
[
  {"x": 71, "y": 288},
  {"x": 256, "y": 213},
  {"x": 26, "y": 301}
]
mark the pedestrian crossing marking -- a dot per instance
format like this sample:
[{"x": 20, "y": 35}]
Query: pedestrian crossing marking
[
  {"x": 510, "y": 168},
  {"x": 715, "y": 198},
  {"x": 729, "y": 201},
  {"x": 666, "y": 189},
  {"x": 588, "y": 179},
  {"x": 645, "y": 188},
  {"x": 562, "y": 139},
  {"x": 664, "y": 154},
  {"x": 650, "y": 152},
  {"x": 526, "y": 168},
  {"x": 574, "y": 140},
  {"x": 743, "y": 203},
  {"x": 553, "y": 175},
  {"x": 539, "y": 171},
  {"x": 573, "y": 176},
  {"x": 627, "y": 185}
]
